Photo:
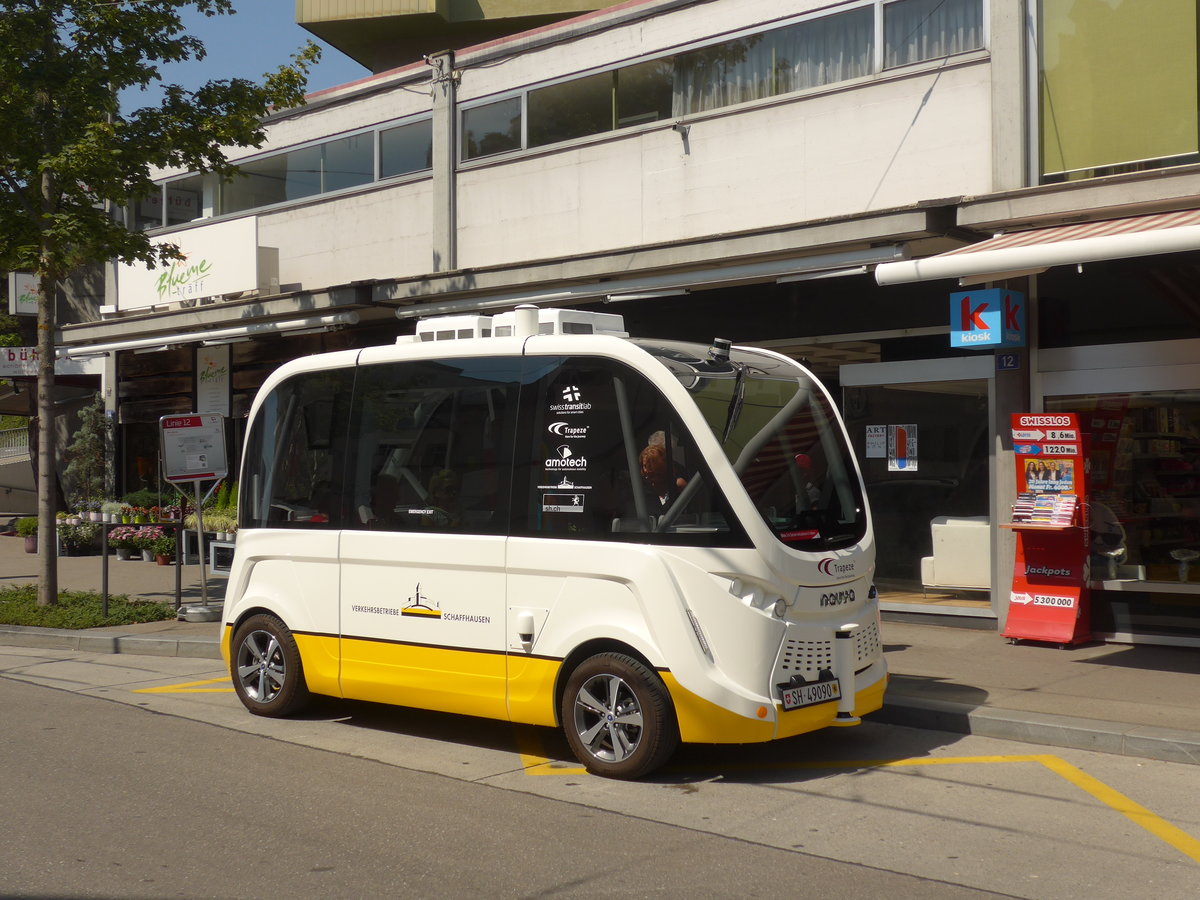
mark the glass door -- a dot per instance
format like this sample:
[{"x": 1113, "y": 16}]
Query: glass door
[{"x": 923, "y": 447}]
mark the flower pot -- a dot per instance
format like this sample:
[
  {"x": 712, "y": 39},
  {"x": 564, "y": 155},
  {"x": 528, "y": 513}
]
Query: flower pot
[
  {"x": 139, "y": 520},
  {"x": 148, "y": 556},
  {"x": 31, "y": 543},
  {"x": 162, "y": 559},
  {"x": 124, "y": 553},
  {"x": 125, "y": 519}
]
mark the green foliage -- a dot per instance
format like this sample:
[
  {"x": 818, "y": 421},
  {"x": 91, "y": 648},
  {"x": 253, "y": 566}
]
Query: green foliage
[
  {"x": 76, "y": 609},
  {"x": 143, "y": 498},
  {"x": 84, "y": 536},
  {"x": 86, "y": 460},
  {"x": 27, "y": 526},
  {"x": 66, "y": 146}
]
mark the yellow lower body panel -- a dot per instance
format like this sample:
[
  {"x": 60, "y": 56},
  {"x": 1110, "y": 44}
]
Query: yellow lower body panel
[
  {"x": 704, "y": 722},
  {"x": 319, "y": 656}
]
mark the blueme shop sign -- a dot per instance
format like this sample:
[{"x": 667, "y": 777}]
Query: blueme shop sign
[{"x": 986, "y": 319}]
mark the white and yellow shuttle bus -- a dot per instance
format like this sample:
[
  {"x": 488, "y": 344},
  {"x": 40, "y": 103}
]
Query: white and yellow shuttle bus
[{"x": 534, "y": 517}]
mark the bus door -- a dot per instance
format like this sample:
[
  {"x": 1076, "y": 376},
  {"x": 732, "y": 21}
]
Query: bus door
[
  {"x": 423, "y": 558},
  {"x": 605, "y": 471}
]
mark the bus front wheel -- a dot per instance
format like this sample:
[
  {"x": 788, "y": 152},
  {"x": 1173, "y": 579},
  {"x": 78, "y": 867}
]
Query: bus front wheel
[
  {"x": 267, "y": 673},
  {"x": 618, "y": 717}
]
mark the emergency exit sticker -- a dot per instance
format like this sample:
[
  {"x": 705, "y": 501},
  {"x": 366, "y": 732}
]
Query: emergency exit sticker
[{"x": 902, "y": 448}]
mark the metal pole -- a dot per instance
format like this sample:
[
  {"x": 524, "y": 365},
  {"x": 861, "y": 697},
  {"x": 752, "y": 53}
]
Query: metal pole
[
  {"x": 200, "y": 545},
  {"x": 178, "y": 526},
  {"x": 104, "y": 569}
]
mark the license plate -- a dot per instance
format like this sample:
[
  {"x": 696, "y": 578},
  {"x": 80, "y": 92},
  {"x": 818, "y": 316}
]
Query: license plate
[{"x": 811, "y": 694}]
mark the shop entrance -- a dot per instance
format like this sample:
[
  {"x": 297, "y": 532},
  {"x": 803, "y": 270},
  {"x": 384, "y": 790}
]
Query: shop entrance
[{"x": 923, "y": 447}]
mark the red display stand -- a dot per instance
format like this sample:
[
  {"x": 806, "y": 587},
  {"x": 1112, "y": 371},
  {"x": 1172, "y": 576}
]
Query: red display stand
[{"x": 1049, "y": 600}]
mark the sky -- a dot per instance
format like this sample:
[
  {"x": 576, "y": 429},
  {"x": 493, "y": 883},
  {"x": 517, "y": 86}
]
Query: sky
[{"x": 259, "y": 37}]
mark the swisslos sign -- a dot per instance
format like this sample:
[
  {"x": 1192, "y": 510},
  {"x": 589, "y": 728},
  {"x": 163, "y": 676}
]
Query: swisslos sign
[{"x": 988, "y": 318}]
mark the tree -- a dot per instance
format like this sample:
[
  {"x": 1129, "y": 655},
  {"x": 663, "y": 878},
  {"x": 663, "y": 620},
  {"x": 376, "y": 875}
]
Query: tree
[{"x": 68, "y": 154}]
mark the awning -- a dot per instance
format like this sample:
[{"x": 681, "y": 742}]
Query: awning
[{"x": 1030, "y": 252}]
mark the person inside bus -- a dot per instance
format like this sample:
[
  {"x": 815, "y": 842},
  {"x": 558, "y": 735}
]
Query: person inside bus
[
  {"x": 656, "y": 472},
  {"x": 444, "y": 500},
  {"x": 382, "y": 513}
]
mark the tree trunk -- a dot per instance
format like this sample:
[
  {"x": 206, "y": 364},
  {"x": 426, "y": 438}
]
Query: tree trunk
[{"x": 48, "y": 546}]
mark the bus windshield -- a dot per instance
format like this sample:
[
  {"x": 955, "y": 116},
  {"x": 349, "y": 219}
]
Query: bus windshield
[{"x": 782, "y": 437}]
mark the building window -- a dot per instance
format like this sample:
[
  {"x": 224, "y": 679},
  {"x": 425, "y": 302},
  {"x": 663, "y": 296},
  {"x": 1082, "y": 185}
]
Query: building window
[
  {"x": 331, "y": 166},
  {"x": 571, "y": 109},
  {"x": 185, "y": 199},
  {"x": 1117, "y": 86},
  {"x": 406, "y": 149},
  {"x": 917, "y": 30},
  {"x": 493, "y": 128},
  {"x": 645, "y": 92}
]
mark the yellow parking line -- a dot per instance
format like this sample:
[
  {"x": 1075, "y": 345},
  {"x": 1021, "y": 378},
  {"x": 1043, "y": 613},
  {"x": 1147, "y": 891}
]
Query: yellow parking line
[
  {"x": 536, "y": 763},
  {"x": 190, "y": 687}
]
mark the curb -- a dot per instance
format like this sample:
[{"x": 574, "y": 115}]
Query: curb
[
  {"x": 1143, "y": 741},
  {"x": 134, "y": 644}
]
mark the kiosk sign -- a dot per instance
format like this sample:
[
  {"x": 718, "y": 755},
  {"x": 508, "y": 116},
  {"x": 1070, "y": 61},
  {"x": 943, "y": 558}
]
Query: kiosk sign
[{"x": 193, "y": 447}]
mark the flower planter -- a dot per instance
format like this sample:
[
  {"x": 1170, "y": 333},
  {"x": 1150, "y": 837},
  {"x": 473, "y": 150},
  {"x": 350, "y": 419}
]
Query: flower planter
[
  {"x": 162, "y": 559},
  {"x": 124, "y": 553},
  {"x": 31, "y": 544},
  {"x": 147, "y": 556}
]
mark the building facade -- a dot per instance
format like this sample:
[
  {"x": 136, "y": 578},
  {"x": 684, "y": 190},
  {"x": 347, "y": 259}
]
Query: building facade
[{"x": 814, "y": 177}]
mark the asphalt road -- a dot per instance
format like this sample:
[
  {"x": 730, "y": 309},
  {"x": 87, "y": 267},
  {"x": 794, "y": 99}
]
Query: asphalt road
[
  {"x": 105, "y": 800},
  {"x": 124, "y": 776}
]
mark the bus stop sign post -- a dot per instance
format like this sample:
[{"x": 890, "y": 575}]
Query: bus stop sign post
[{"x": 193, "y": 449}]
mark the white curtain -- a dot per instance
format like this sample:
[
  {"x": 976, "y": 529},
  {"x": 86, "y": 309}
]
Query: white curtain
[
  {"x": 928, "y": 29},
  {"x": 809, "y": 54}
]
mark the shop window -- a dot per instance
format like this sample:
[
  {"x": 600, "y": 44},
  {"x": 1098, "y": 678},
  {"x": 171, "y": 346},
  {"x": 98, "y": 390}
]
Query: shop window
[
  {"x": 1143, "y": 463},
  {"x": 610, "y": 461},
  {"x": 432, "y": 446},
  {"x": 295, "y": 454},
  {"x": 916, "y": 30},
  {"x": 493, "y": 128},
  {"x": 1117, "y": 87},
  {"x": 406, "y": 149}
]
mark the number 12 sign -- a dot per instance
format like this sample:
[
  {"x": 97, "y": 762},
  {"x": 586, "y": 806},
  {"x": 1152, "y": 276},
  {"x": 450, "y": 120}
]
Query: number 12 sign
[{"x": 193, "y": 447}]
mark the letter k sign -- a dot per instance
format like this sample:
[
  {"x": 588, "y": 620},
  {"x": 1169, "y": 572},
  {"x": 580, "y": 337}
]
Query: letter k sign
[
  {"x": 972, "y": 317},
  {"x": 1011, "y": 313}
]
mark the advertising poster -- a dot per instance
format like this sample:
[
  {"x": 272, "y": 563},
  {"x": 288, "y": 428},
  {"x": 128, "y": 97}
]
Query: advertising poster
[
  {"x": 212, "y": 380},
  {"x": 902, "y": 448}
]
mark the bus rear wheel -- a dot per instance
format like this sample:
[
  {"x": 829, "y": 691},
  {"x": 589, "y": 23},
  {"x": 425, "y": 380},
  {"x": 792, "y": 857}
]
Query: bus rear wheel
[
  {"x": 266, "y": 668},
  {"x": 618, "y": 717}
]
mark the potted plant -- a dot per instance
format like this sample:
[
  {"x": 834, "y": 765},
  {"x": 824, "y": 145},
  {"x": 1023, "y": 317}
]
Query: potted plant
[
  {"x": 146, "y": 536},
  {"x": 27, "y": 528},
  {"x": 111, "y": 511},
  {"x": 124, "y": 540},
  {"x": 163, "y": 548},
  {"x": 78, "y": 537}
]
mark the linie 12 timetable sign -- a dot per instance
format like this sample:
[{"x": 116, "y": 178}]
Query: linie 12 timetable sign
[{"x": 989, "y": 318}]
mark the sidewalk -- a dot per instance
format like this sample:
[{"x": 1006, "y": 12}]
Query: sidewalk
[{"x": 1115, "y": 698}]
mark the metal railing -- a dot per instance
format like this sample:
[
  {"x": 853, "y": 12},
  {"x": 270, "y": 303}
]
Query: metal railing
[{"x": 14, "y": 443}]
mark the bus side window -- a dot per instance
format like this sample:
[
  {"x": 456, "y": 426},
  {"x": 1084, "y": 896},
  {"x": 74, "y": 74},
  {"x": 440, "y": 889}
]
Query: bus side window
[
  {"x": 433, "y": 441},
  {"x": 611, "y": 460},
  {"x": 295, "y": 454}
]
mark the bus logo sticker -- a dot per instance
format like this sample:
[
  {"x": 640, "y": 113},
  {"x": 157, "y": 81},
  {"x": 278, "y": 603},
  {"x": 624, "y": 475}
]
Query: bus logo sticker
[
  {"x": 569, "y": 503},
  {"x": 571, "y": 394},
  {"x": 567, "y": 430},
  {"x": 419, "y": 608}
]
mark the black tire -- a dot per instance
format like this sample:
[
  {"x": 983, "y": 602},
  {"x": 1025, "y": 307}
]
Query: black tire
[
  {"x": 265, "y": 664},
  {"x": 618, "y": 717}
]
